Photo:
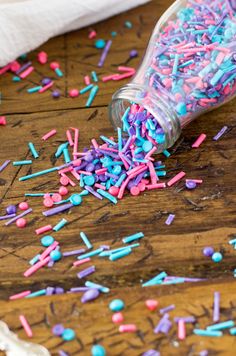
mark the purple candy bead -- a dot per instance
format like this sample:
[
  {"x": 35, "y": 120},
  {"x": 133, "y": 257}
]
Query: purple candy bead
[
  {"x": 59, "y": 290},
  {"x": 46, "y": 81},
  {"x": 91, "y": 294},
  {"x": 208, "y": 251},
  {"x": 190, "y": 184},
  {"x": 90, "y": 167},
  {"x": 56, "y": 94},
  {"x": 11, "y": 209},
  {"x": 58, "y": 329}
]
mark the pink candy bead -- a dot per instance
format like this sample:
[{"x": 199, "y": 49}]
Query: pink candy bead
[
  {"x": 42, "y": 57},
  {"x": 3, "y": 120},
  {"x": 134, "y": 191},
  {"x": 151, "y": 304},
  {"x": 117, "y": 318},
  {"x": 56, "y": 197},
  {"x": 54, "y": 65},
  {"x": 24, "y": 205},
  {"x": 14, "y": 66},
  {"x": 64, "y": 180},
  {"x": 92, "y": 34},
  {"x": 48, "y": 202},
  {"x": 21, "y": 222},
  {"x": 73, "y": 93},
  {"x": 114, "y": 191},
  {"x": 63, "y": 190},
  {"x": 141, "y": 186}
]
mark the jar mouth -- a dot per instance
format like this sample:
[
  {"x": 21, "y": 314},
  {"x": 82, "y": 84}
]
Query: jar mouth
[{"x": 146, "y": 97}]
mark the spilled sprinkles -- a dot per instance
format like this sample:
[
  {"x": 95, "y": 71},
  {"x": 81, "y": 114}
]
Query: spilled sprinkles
[{"x": 193, "y": 68}]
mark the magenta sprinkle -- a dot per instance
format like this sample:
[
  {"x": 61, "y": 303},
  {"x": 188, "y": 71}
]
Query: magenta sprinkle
[
  {"x": 4, "y": 165},
  {"x": 18, "y": 216},
  {"x": 86, "y": 272},
  {"x": 220, "y": 133}
]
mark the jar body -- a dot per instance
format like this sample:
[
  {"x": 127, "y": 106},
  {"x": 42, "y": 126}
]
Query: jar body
[{"x": 189, "y": 67}]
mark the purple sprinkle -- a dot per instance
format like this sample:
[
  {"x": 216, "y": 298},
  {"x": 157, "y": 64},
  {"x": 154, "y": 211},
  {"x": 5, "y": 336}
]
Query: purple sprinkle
[
  {"x": 58, "y": 329},
  {"x": 57, "y": 210},
  {"x": 46, "y": 81},
  {"x": 4, "y": 217},
  {"x": 190, "y": 184},
  {"x": 73, "y": 252},
  {"x": 91, "y": 294},
  {"x": 151, "y": 353},
  {"x": 62, "y": 353},
  {"x": 170, "y": 219},
  {"x": 19, "y": 216},
  {"x": 162, "y": 321},
  {"x": 203, "y": 353},
  {"x": 11, "y": 209},
  {"x": 220, "y": 133},
  {"x": 166, "y": 309},
  {"x": 104, "y": 53},
  {"x": 92, "y": 191},
  {"x": 59, "y": 290},
  {"x": 86, "y": 272},
  {"x": 49, "y": 290},
  {"x": 3, "y": 166},
  {"x": 216, "y": 307},
  {"x": 105, "y": 247},
  {"x": 23, "y": 67},
  {"x": 165, "y": 327},
  {"x": 208, "y": 251},
  {"x": 187, "y": 319},
  {"x": 50, "y": 263},
  {"x": 79, "y": 289}
]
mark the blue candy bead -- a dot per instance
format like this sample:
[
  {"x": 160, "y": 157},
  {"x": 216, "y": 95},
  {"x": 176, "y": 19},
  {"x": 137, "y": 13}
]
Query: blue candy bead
[
  {"x": 55, "y": 255},
  {"x": 47, "y": 240},
  {"x": 68, "y": 335},
  {"x": 147, "y": 146},
  {"x": 100, "y": 44},
  {"x": 89, "y": 180},
  {"x": 98, "y": 350},
  {"x": 217, "y": 257},
  {"x": 116, "y": 305},
  {"x": 76, "y": 199}
]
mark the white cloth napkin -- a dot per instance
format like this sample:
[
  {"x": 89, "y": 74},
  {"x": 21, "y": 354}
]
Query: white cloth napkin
[{"x": 26, "y": 24}]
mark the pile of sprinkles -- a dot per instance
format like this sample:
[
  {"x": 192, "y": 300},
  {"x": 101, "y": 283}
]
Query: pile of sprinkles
[{"x": 193, "y": 67}]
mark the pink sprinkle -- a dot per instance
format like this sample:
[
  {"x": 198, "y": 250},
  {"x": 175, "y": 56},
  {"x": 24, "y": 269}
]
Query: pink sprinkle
[
  {"x": 122, "y": 188},
  {"x": 108, "y": 77},
  {"x": 27, "y": 72},
  {"x": 176, "y": 178},
  {"x": 99, "y": 186},
  {"x": 87, "y": 80},
  {"x": 49, "y": 134},
  {"x": 43, "y": 229},
  {"x": 101, "y": 171},
  {"x": 26, "y": 326},
  {"x": 76, "y": 140},
  {"x": 20, "y": 295},
  {"x": 81, "y": 262},
  {"x": 65, "y": 170},
  {"x": 127, "y": 328},
  {"x": 198, "y": 181},
  {"x": 46, "y": 87},
  {"x": 86, "y": 173},
  {"x": 94, "y": 143},
  {"x": 152, "y": 173},
  {"x": 126, "y": 69},
  {"x": 5, "y": 69},
  {"x": 199, "y": 141},
  {"x": 37, "y": 266},
  {"x": 148, "y": 155},
  {"x": 75, "y": 174},
  {"x": 123, "y": 76},
  {"x": 181, "y": 329},
  {"x": 48, "y": 250},
  {"x": 69, "y": 138}
]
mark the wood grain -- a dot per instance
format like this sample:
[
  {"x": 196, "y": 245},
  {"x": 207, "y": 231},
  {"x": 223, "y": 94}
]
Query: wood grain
[{"x": 205, "y": 216}]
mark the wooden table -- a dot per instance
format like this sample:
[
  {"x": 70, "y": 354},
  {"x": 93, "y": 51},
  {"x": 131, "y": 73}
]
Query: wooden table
[{"x": 205, "y": 216}]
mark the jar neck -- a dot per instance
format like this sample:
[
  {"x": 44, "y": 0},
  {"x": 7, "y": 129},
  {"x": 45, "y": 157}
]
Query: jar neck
[{"x": 155, "y": 104}]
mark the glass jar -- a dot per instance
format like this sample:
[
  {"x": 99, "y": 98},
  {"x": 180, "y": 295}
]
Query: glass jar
[{"x": 189, "y": 67}]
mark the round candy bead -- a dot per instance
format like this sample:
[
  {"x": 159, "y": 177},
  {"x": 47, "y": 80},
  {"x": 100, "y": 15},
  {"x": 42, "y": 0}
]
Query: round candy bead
[
  {"x": 89, "y": 180},
  {"x": 116, "y": 305},
  {"x": 21, "y": 222},
  {"x": 63, "y": 191},
  {"x": 90, "y": 167},
  {"x": 133, "y": 53},
  {"x": 54, "y": 65},
  {"x": 56, "y": 94},
  {"x": 58, "y": 329},
  {"x": 73, "y": 93},
  {"x": 11, "y": 209},
  {"x": 100, "y": 43},
  {"x": 98, "y": 350},
  {"x": 24, "y": 205},
  {"x": 134, "y": 191},
  {"x": 48, "y": 202},
  {"x": 141, "y": 187},
  {"x": 64, "y": 180},
  {"x": 147, "y": 146},
  {"x": 151, "y": 304},
  {"x": 190, "y": 184},
  {"x": 47, "y": 240},
  {"x": 114, "y": 191},
  {"x": 208, "y": 251},
  {"x": 116, "y": 170},
  {"x": 68, "y": 335},
  {"x": 217, "y": 257},
  {"x": 75, "y": 199},
  {"x": 56, "y": 197},
  {"x": 55, "y": 255},
  {"x": 46, "y": 81},
  {"x": 117, "y": 318}
]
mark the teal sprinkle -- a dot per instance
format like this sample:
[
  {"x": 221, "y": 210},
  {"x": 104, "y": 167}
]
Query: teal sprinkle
[
  {"x": 107, "y": 195},
  {"x": 33, "y": 150},
  {"x": 36, "y": 294},
  {"x": 66, "y": 155},
  {"x": 161, "y": 173},
  {"x": 110, "y": 252},
  {"x": 120, "y": 180},
  {"x": 106, "y": 139},
  {"x": 37, "y": 174},
  {"x": 232, "y": 331},
  {"x": 166, "y": 153},
  {"x": 86, "y": 89},
  {"x": 128, "y": 24},
  {"x": 121, "y": 254},
  {"x": 97, "y": 286},
  {"x": 60, "y": 149},
  {"x": 59, "y": 72},
  {"x": 16, "y": 79},
  {"x": 220, "y": 326},
  {"x": 155, "y": 280},
  {"x": 119, "y": 132},
  {"x": 34, "y": 259},
  {"x": 133, "y": 237},
  {"x": 86, "y": 240},
  {"x": 92, "y": 95},
  {"x": 202, "y": 332},
  {"x": 60, "y": 225},
  {"x": 22, "y": 163},
  {"x": 90, "y": 254},
  {"x": 34, "y": 89},
  {"x": 94, "y": 76},
  {"x": 81, "y": 182}
]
